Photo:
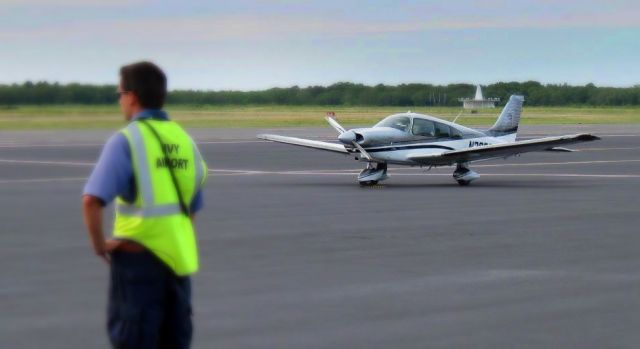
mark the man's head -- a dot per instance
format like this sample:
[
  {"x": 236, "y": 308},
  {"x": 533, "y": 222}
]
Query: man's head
[{"x": 143, "y": 85}]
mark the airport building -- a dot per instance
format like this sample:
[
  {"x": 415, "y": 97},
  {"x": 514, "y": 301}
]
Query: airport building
[{"x": 478, "y": 101}]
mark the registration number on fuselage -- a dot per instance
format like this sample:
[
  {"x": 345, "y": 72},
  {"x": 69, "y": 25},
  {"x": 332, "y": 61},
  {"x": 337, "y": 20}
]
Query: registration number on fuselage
[{"x": 477, "y": 144}]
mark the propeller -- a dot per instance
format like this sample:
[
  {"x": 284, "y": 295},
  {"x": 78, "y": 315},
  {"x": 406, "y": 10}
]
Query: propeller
[
  {"x": 334, "y": 123},
  {"x": 341, "y": 130},
  {"x": 362, "y": 151}
]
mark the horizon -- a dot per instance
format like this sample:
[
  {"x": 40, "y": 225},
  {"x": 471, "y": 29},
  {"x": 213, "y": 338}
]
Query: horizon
[
  {"x": 256, "y": 45},
  {"x": 323, "y": 86}
]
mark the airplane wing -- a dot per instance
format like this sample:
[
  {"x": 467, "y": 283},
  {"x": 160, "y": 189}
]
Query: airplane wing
[
  {"x": 501, "y": 150},
  {"x": 333, "y": 147}
]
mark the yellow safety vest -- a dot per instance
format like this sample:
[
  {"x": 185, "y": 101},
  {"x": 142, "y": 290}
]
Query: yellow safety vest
[{"x": 155, "y": 219}]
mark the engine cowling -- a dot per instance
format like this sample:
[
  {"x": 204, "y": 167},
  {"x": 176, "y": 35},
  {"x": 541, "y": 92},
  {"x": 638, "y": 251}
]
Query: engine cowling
[{"x": 371, "y": 136}]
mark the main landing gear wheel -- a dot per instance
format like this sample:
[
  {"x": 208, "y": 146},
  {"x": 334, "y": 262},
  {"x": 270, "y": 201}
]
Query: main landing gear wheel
[
  {"x": 463, "y": 175},
  {"x": 374, "y": 173}
]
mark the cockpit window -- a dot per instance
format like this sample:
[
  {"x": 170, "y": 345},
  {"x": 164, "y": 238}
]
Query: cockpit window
[
  {"x": 398, "y": 122},
  {"x": 422, "y": 127},
  {"x": 455, "y": 133},
  {"x": 442, "y": 131}
]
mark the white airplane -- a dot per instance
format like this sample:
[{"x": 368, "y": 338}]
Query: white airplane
[{"x": 421, "y": 140}]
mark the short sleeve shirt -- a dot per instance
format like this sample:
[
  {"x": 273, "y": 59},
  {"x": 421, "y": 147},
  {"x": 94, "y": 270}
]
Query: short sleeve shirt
[{"x": 113, "y": 174}]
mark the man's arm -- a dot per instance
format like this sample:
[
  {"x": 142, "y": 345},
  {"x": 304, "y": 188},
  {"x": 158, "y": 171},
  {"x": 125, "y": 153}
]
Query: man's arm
[
  {"x": 196, "y": 205},
  {"x": 92, "y": 211},
  {"x": 110, "y": 177}
]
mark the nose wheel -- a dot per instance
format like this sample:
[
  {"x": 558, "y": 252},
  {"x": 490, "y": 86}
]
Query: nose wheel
[{"x": 372, "y": 174}]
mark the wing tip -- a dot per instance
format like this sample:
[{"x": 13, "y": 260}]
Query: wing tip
[
  {"x": 561, "y": 150},
  {"x": 264, "y": 136}
]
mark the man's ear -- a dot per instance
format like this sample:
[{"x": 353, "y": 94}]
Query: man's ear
[{"x": 134, "y": 101}]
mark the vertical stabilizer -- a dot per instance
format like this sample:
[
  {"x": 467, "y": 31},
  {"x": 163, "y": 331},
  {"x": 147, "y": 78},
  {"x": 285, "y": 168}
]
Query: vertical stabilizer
[{"x": 507, "y": 123}]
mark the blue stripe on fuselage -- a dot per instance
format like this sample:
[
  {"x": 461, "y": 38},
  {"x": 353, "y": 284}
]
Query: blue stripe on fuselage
[{"x": 407, "y": 147}]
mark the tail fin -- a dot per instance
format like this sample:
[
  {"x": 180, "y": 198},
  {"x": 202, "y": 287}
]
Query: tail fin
[{"x": 507, "y": 123}]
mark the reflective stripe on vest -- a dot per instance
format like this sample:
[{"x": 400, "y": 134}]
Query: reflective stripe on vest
[
  {"x": 199, "y": 166},
  {"x": 154, "y": 218},
  {"x": 150, "y": 209}
]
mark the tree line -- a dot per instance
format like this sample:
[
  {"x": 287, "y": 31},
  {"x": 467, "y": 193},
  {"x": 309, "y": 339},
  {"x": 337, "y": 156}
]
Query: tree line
[{"x": 343, "y": 93}]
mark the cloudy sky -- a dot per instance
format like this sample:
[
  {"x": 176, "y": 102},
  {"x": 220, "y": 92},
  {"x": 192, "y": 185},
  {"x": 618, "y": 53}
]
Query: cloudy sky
[{"x": 259, "y": 44}]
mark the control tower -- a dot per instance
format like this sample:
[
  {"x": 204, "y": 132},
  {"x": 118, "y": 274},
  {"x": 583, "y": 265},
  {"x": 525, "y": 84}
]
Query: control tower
[{"x": 478, "y": 102}]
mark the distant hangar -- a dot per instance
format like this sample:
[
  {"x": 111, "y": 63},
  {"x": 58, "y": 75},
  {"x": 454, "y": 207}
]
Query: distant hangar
[{"x": 478, "y": 101}]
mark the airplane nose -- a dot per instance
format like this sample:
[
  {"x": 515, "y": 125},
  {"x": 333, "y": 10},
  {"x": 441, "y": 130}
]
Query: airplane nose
[{"x": 347, "y": 137}]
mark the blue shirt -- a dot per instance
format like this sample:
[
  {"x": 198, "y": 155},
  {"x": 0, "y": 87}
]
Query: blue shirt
[{"x": 113, "y": 173}]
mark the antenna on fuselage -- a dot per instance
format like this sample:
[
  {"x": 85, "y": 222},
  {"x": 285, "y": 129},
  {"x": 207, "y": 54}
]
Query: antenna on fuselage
[{"x": 460, "y": 113}]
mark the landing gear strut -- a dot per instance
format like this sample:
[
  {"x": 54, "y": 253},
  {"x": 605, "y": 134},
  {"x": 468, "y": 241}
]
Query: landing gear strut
[
  {"x": 463, "y": 175},
  {"x": 373, "y": 173}
]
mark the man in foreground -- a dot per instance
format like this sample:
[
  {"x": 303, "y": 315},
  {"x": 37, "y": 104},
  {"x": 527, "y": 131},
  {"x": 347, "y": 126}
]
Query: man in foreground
[{"x": 154, "y": 171}]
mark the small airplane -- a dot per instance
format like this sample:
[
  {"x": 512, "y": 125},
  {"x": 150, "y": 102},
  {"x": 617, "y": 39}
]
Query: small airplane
[{"x": 413, "y": 139}]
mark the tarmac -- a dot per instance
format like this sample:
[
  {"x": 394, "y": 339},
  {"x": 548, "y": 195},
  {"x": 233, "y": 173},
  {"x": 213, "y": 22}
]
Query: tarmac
[{"x": 541, "y": 252}]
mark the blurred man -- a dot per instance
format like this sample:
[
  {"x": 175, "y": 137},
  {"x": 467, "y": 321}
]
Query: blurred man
[{"x": 155, "y": 173}]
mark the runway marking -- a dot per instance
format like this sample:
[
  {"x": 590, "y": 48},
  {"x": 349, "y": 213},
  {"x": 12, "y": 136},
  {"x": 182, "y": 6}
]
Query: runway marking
[
  {"x": 233, "y": 142},
  {"x": 71, "y": 145},
  {"x": 316, "y": 171},
  {"x": 50, "y": 145},
  {"x": 40, "y": 180},
  {"x": 536, "y": 135},
  {"x": 350, "y": 171},
  {"x": 525, "y": 164},
  {"x": 601, "y": 149},
  {"x": 619, "y": 135},
  {"x": 508, "y": 164},
  {"x": 562, "y": 175},
  {"x": 355, "y": 172},
  {"x": 39, "y": 162},
  {"x": 560, "y": 163}
]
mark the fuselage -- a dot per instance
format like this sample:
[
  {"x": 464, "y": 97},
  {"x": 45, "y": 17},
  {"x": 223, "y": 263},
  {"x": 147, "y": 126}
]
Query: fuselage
[
  {"x": 399, "y": 137},
  {"x": 413, "y": 139}
]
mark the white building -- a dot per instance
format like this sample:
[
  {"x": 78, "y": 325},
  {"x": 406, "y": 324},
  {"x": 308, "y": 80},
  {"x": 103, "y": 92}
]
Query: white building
[{"x": 478, "y": 102}]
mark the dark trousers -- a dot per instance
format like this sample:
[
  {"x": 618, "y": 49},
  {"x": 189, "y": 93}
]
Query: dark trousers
[{"x": 149, "y": 306}]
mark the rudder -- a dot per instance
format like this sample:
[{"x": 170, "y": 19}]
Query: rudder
[{"x": 509, "y": 119}]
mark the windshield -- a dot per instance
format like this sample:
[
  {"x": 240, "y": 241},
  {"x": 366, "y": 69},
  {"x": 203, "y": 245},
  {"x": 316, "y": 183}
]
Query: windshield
[{"x": 398, "y": 122}]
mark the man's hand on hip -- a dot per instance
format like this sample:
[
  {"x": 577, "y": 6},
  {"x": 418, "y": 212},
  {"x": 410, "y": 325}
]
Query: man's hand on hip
[{"x": 92, "y": 211}]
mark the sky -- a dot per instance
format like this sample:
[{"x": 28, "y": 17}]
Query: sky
[{"x": 250, "y": 45}]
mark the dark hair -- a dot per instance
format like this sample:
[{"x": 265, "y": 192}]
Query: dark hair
[{"x": 147, "y": 81}]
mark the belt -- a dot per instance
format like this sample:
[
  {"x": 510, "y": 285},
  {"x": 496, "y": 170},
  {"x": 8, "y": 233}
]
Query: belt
[{"x": 130, "y": 246}]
